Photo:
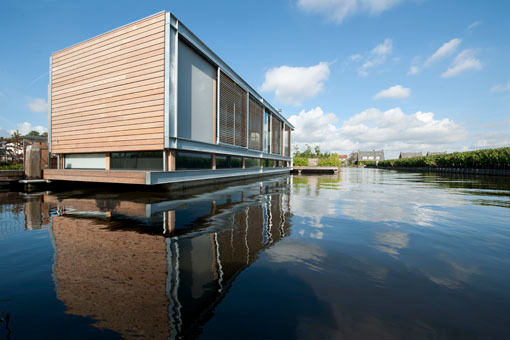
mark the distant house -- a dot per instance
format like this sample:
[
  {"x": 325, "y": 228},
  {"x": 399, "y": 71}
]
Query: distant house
[
  {"x": 343, "y": 158},
  {"x": 433, "y": 153},
  {"x": 373, "y": 155},
  {"x": 410, "y": 154}
]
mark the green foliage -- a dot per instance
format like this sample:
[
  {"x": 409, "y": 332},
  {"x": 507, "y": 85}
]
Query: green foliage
[
  {"x": 11, "y": 167},
  {"x": 332, "y": 160},
  {"x": 367, "y": 163},
  {"x": 480, "y": 159},
  {"x": 300, "y": 161},
  {"x": 33, "y": 133},
  {"x": 325, "y": 158}
]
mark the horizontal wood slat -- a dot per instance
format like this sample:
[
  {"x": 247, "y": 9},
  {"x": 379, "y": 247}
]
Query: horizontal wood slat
[
  {"x": 108, "y": 93},
  {"x": 115, "y": 148},
  {"x": 120, "y": 124},
  {"x": 109, "y": 35},
  {"x": 132, "y": 83},
  {"x": 134, "y": 61},
  {"x": 128, "y": 91},
  {"x": 155, "y": 111},
  {"x": 128, "y": 40},
  {"x": 113, "y": 71},
  {"x": 113, "y": 60},
  {"x": 112, "y": 101},
  {"x": 127, "y": 104},
  {"x": 109, "y": 79},
  {"x": 128, "y": 131},
  {"x": 104, "y": 176}
]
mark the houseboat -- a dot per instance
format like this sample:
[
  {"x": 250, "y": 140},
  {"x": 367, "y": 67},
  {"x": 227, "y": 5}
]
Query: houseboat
[{"x": 149, "y": 103}]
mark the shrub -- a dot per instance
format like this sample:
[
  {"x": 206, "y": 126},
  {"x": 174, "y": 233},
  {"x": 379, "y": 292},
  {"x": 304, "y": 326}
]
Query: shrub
[{"x": 480, "y": 159}]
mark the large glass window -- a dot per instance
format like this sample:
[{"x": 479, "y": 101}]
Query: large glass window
[
  {"x": 197, "y": 95},
  {"x": 252, "y": 163},
  {"x": 226, "y": 162},
  {"x": 192, "y": 160},
  {"x": 85, "y": 161},
  {"x": 268, "y": 163},
  {"x": 151, "y": 160}
]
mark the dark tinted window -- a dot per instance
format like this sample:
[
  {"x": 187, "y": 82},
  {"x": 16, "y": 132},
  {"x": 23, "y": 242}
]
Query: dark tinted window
[
  {"x": 252, "y": 163},
  {"x": 226, "y": 162},
  {"x": 152, "y": 160},
  {"x": 192, "y": 160}
]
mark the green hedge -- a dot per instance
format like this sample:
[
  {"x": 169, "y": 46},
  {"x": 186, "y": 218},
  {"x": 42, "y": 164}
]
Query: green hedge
[
  {"x": 11, "y": 167},
  {"x": 323, "y": 161},
  {"x": 330, "y": 161},
  {"x": 481, "y": 159},
  {"x": 300, "y": 161}
]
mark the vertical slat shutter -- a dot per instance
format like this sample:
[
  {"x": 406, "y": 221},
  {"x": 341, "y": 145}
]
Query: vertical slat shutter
[
  {"x": 256, "y": 125},
  {"x": 276, "y": 127},
  {"x": 233, "y": 117},
  {"x": 287, "y": 153}
]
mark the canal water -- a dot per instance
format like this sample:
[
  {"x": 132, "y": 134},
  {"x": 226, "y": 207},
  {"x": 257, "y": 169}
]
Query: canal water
[{"x": 365, "y": 254}]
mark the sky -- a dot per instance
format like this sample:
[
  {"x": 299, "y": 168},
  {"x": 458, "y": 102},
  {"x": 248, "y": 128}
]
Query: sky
[{"x": 398, "y": 75}]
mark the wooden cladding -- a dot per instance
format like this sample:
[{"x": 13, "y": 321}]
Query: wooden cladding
[
  {"x": 233, "y": 116},
  {"x": 107, "y": 93},
  {"x": 276, "y": 138},
  {"x": 256, "y": 126}
]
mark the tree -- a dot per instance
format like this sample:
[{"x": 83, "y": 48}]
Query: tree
[
  {"x": 33, "y": 133},
  {"x": 44, "y": 134},
  {"x": 15, "y": 147},
  {"x": 317, "y": 151}
]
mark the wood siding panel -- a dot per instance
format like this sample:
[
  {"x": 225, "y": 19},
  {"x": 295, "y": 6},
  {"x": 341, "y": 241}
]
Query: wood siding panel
[
  {"x": 108, "y": 92},
  {"x": 104, "y": 176}
]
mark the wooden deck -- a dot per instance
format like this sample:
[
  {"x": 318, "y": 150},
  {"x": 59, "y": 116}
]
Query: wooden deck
[
  {"x": 315, "y": 169},
  {"x": 98, "y": 176}
]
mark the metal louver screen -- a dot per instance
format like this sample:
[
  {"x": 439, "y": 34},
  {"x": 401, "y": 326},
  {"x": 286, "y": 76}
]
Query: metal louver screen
[
  {"x": 233, "y": 120},
  {"x": 256, "y": 141},
  {"x": 276, "y": 128},
  {"x": 286, "y": 141}
]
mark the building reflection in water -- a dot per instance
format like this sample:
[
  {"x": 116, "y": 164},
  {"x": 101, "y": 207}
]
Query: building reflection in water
[{"x": 159, "y": 270}]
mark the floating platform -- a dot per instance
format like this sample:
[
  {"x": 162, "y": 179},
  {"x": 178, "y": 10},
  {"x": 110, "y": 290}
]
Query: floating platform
[
  {"x": 156, "y": 177},
  {"x": 315, "y": 169},
  {"x": 11, "y": 176}
]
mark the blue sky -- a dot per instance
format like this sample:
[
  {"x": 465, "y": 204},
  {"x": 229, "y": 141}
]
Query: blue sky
[{"x": 350, "y": 74}]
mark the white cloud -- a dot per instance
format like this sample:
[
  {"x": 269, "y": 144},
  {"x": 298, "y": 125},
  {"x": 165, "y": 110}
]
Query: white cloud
[
  {"x": 377, "y": 56},
  {"x": 338, "y": 10},
  {"x": 447, "y": 49},
  {"x": 37, "y": 105},
  {"x": 413, "y": 70},
  {"x": 26, "y": 127},
  {"x": 292, "y": 85},
  {"x": 391, "y": 130},
  {"x": 4, "y": 133},
  {"x": 473, "y": 25},
  {"x": 394, "y": 92},
  {"x": 464, "y": 61},
  {"x": 501, "y": 87},
  {"x": 356, "y": 57}
]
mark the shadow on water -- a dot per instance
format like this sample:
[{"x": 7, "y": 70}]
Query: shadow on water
[{"x": 143, "y": 265}]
